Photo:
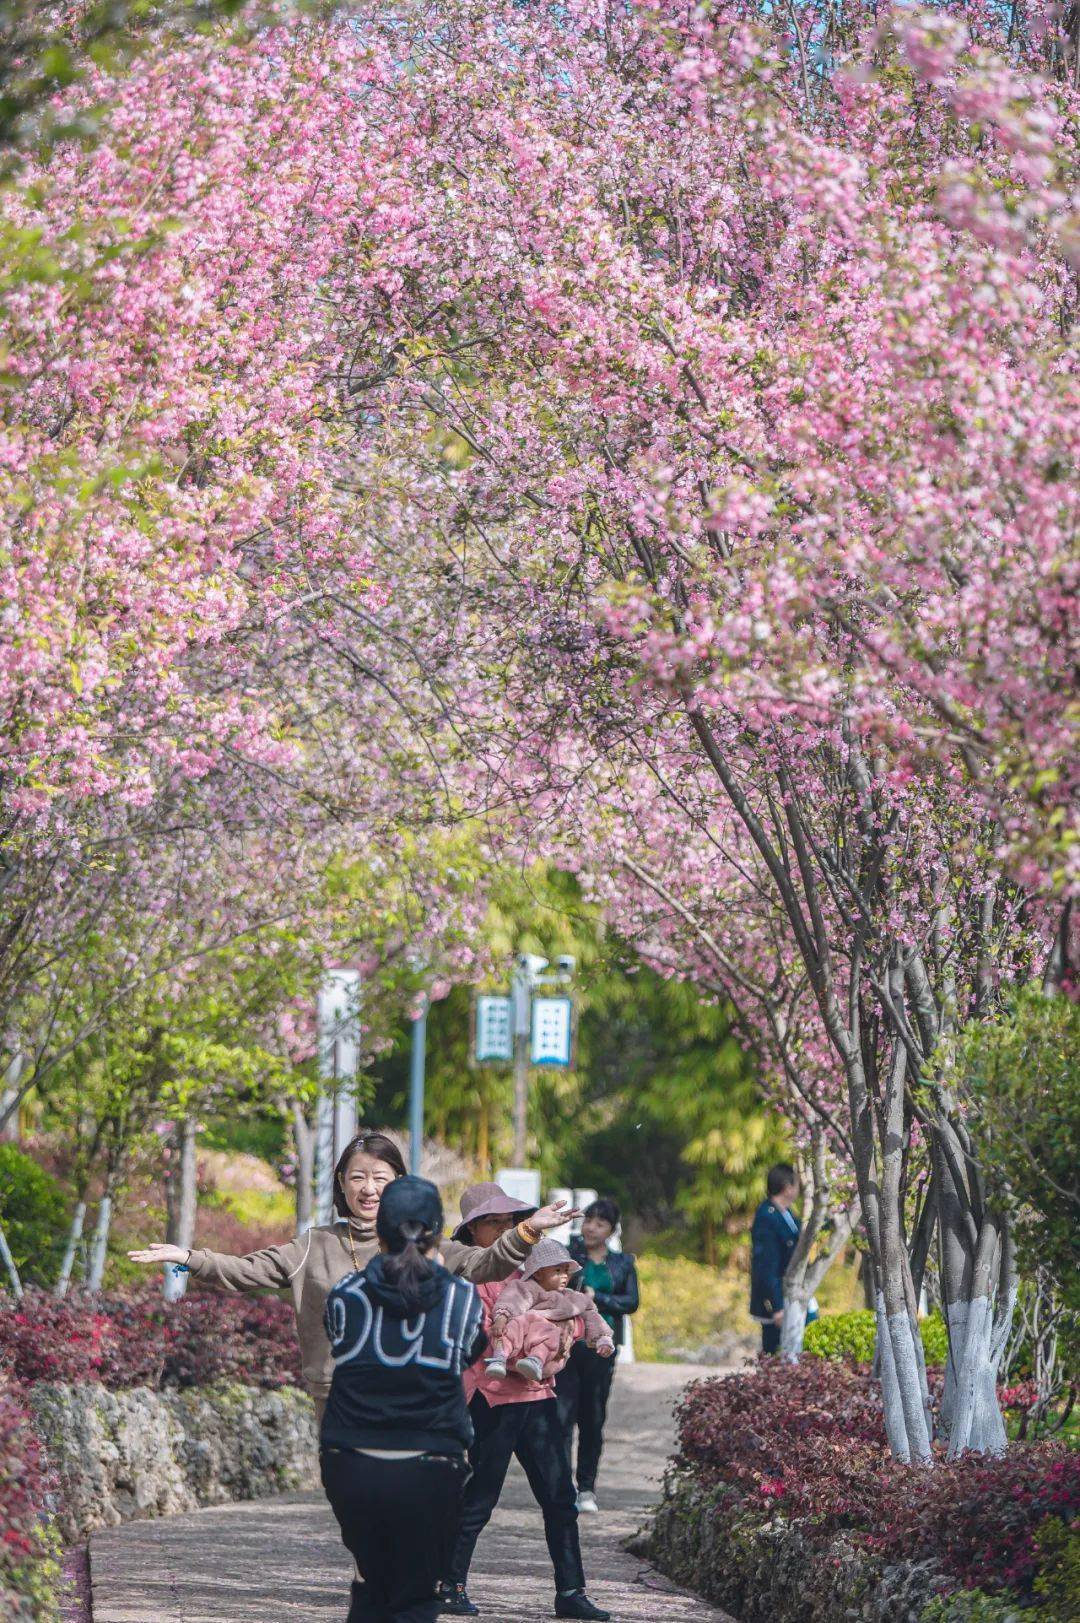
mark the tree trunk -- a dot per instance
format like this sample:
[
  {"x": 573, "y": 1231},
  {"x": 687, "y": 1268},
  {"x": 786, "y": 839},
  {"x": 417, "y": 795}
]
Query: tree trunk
[
  {"x": 304, "y": 1145},
  {"x": 182, "y": 1199},
  {"x": 793, "y": 1329},
  {"x": 9, "y": 1266},
  {"x": 978, "y": 1325},
  {"x": 71, "y": 1249},
  {"x": 866, "y": 1280},
  {"x": 903, "y": 1376},
  {"x": 805, "y": 1272},
  {"x": 100, "y": 1243}
]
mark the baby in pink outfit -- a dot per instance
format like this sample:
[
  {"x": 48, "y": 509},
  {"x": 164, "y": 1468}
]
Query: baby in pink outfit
[{"x": 532, "y": 1321}]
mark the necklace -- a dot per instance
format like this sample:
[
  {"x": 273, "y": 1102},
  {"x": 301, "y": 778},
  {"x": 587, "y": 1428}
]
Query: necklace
[{"x": 352, "y": 1249}]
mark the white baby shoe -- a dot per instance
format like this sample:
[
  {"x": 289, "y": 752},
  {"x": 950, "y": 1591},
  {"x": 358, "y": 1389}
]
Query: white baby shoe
[
  {"x": 531, "y": 1368},
  {"x": 496, "y": 1367}
]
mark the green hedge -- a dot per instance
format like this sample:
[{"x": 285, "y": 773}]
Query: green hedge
[
  {"x": 33, "y": 1210},
  {"x": 851, "y": 1335}
]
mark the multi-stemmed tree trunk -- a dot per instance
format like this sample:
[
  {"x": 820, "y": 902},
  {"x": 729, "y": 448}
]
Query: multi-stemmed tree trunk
[
  {"x": 978, "y": 1280},
  {"x": 810, "y": 1262}
]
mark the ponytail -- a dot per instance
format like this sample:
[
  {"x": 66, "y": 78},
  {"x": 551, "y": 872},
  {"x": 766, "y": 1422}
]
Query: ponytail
[{"x": 406, "y": 1264}]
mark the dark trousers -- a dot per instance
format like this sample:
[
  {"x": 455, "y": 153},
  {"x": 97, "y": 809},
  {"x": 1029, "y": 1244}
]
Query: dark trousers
[
  {"x": 770, "y": 1338},
  {"x": 398, "y": 1520},
  {"x": 533, "y": 1432},
  {"x": 582, "y": 1388}
]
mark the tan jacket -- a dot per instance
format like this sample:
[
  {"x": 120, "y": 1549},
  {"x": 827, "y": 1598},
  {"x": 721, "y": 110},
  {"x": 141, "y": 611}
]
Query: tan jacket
[{"x": 311, "y": 1265}]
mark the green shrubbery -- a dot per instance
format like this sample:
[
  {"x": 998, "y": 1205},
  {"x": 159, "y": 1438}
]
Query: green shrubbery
[
  {"x": 851, "y": 1335},
  {"x": 33, "y": 1210},
  {"x": 686, "y": 1306}
]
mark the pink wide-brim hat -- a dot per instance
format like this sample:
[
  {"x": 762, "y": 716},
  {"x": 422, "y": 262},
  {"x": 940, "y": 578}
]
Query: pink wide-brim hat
[{"x": 489, "y": 1200}]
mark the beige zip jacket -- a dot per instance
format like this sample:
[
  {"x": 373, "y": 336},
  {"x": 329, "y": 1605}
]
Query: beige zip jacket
[{"x": 310, "y": 1266}]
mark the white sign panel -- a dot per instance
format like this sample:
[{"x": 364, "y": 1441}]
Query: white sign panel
[
  {"x": 494, "y": 1039},
  {"x": 522, "y": 1183},
  {"x": 552, "y": 1030}
]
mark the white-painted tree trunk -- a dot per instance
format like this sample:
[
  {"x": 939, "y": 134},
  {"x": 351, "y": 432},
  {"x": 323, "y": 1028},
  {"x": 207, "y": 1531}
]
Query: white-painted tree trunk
[
  {"x": 793, "y": 1328},
  {"x": 100, "y": 1245},
  {"x": 901, "y": 1390},
  {"x": 71, "y": 1249},
  {"x": 183, "y": 1196},
  {"x": 971, "y": 1414},
  {"x": 304, "y": 1144},
  {"x": 9, "y": 1266}
]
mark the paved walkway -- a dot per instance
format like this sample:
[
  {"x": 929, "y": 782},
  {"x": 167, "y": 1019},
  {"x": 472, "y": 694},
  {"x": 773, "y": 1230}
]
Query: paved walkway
[{"x": 281, "y": 1560}]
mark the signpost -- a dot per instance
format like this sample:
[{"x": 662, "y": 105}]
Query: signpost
[
  {"x": 552, "y": 1031},
  {"x": 526, "y": 1030},
  {"x": 494, "y": 1038}
]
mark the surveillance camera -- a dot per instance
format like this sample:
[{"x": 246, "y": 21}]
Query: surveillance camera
[
  {"x": 566, "y": 963},
  {"x": 531, "y": 963}
]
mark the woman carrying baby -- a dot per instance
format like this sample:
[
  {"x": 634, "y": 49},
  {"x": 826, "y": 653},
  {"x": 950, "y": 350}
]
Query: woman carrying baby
[{"x": 514, "y": 1412}]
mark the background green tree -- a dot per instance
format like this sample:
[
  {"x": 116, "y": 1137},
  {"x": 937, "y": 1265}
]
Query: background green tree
[{"x": 660, "y": 1109}]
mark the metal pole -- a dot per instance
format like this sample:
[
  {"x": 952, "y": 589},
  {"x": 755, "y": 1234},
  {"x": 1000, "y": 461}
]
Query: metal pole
[
  {"x": 416, "y": 1089},
  {"x": 521, "y": 994},
  {"x": 521, "y": 1098}
]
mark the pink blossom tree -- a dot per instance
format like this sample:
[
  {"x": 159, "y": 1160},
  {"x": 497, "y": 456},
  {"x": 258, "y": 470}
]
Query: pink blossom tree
[{"x": 741, "y": 350}]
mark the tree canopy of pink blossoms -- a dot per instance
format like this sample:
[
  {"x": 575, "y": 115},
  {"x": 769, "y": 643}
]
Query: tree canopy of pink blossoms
[{"x": 650, "y": 429}]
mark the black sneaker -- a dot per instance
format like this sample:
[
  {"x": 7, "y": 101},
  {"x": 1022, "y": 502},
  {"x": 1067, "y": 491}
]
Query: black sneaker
[
  {"x": 454, "y": 1598},
  {"x": 578, "y": 1605}
]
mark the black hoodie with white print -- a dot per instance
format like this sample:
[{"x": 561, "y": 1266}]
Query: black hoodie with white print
[{"x": 397, "y": 1370}]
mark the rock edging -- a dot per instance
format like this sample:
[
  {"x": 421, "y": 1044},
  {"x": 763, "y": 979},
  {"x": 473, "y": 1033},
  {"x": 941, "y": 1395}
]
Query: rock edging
[
  {"x": 136, "y": 1453},
  {"x": 771, "y": 1572}
]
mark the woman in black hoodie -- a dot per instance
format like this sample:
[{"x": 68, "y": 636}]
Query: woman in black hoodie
[{"x": 396, "y": 1427}]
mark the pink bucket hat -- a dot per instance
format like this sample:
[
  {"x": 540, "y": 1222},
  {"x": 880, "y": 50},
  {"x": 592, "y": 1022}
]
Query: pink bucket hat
[
  {"x": 548, "y": 1254},
  {"x": 489, "y": 1200}
]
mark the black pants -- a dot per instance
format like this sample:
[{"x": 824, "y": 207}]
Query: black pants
[
  {"x": 583, "y": 1387},
  {"x": 533, "y": 1432},
  {"x": 770, "y": 1338},
  {"x": 398, "y": 1520}
]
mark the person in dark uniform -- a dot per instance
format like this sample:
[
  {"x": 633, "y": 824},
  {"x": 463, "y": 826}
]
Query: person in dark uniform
[
  {"x": 772, "y": 1241},
  {"x": 584, "y": 1385}
]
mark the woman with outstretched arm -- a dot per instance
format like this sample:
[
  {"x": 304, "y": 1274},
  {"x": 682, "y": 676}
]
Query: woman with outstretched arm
[{"x": 312, "y": 1264}]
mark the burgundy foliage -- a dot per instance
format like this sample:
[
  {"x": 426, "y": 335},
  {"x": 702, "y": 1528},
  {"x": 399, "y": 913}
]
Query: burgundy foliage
[
  {"x": 809, "y": 1441},
  {"x": 232, "y": 1338},
  {"x": 135, "y": 1340},
  {"x": 22, "y": 1472},
  {"x": 979, "y": 1516}
]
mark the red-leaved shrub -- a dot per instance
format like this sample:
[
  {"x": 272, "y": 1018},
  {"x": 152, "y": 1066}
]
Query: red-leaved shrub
[
  {"x": 979, "y": 1516},
  {"x": 43, "y": 1339},
  {"x": 232, "y": 1338},
  {"x": 769, "y": 1425},
  {"x": 23, "y": 1537},
  {"x": 809, "y": 1441},
  {"x": 135, "y": 1340}
]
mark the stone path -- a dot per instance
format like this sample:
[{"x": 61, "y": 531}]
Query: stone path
[{"x": 281, "y": 1560}]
